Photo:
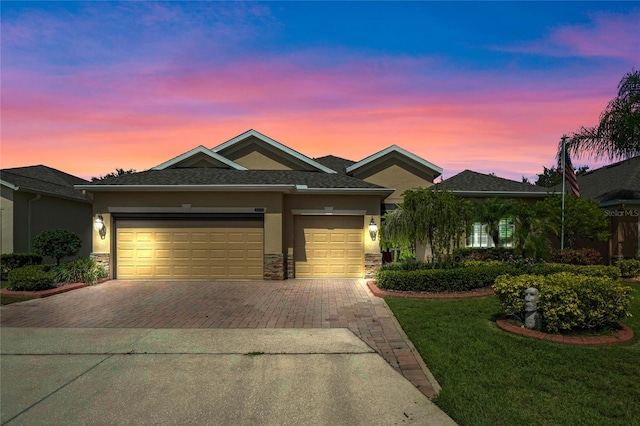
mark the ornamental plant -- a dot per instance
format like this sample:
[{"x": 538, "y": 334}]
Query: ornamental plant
[
  {"x": 567, "y": 301},
  {"x": 57, "y": 243}
]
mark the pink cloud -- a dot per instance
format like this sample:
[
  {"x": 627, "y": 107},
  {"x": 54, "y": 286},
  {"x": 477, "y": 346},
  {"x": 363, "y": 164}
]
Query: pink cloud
[
  {"x": 93, "y": 120},
  {"x": 609, "y": 35}
]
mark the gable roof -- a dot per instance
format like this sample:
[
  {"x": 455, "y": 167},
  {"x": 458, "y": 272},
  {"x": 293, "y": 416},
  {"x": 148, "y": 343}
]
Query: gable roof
[
  {"x": 286, "y": 151},
  {"x": 199, "y": 150},
  {"x": 615, "y": 182},
  {"x": 214, "y": 179},
  {"x": 43, "y": 180},
  {"x": 472, "y": 183},
  {"x": 397, "y": 150},
  {"x": 335, "y": 163}
]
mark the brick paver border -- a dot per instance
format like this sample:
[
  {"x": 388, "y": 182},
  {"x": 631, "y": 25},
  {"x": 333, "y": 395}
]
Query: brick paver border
[{"x": 624, "y": 335}]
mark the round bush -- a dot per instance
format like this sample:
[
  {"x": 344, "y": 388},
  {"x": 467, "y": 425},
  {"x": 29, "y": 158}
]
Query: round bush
[{"x": 30, "y": 278}]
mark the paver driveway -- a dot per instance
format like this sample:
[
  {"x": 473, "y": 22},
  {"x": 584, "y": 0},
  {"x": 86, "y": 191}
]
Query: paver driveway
[{"x": 344, "y": 303}]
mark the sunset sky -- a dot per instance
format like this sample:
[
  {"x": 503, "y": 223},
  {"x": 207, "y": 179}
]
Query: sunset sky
[{"x": 92, "y": 86}]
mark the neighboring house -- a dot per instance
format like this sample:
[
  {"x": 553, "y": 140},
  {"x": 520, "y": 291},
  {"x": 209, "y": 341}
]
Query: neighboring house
[
  {"x": 616, "y": 188},
  {"x": 478, "y": 186},
  {"x": 39, "y": 198},
  {"x": 250, "y": 208}
]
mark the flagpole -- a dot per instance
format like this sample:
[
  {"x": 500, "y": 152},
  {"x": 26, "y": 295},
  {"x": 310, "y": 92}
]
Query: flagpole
[{"x": 564, "y": 173}]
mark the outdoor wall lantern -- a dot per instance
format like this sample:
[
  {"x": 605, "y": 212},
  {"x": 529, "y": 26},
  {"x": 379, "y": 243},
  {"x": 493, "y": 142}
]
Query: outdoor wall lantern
[
  {"x": 373, "y": 229},
  {"x": 100, "y": 226}
]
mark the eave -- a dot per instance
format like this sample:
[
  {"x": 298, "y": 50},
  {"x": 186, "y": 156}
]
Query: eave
[{"x": 288, "y": 188}]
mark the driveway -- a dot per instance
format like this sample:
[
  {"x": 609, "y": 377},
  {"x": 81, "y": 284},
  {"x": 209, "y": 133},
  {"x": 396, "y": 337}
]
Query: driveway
[{"x": 147, "y": 307}]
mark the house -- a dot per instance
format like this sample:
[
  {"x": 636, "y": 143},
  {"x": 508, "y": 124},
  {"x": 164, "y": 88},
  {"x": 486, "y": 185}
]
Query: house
[
  {"x": 616, "y": 188},
  {"x": 39, "y": 198},
  {"x": 250, "y": 208},
  {"x": 478, "y": 186}
]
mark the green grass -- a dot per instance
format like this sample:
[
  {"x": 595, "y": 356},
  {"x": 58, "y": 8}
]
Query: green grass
[
  {"x": 5, "y": 300},
  {"x": 490, "y": 377}
]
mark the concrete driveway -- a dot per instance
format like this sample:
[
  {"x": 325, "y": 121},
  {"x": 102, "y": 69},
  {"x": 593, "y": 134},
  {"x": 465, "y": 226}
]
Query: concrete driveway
[{"x": 285, "y": 352}]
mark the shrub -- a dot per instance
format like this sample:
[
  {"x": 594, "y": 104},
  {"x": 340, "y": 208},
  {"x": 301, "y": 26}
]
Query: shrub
[
  {"x": 612, "y": 272},
  {"x": 83, "y": 270},
  {"x": 57, "y": 243},
  {"x": 474, "y": 253},
  {"x": 441, "y": 280},
  {"x": 30, "y": 278},
  {"x": 567, "y": 301},
  {"x": 473, "y": 263},
  {"x": 583, "y": 256},
  {"x": 629, "y": 268},
  {"x": 10, "y": 261}
]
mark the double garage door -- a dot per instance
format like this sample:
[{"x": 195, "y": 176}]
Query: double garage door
[
  {"x": 324, "y": 246},
  {"x": 189, "y": 249}
]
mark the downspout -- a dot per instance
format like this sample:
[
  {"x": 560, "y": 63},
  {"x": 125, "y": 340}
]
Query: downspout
[{"x": 36, "y": 198}]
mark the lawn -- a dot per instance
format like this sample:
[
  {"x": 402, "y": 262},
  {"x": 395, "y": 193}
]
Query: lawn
[
  {"x": 490, "y": 377},
  {"x": 5, "y": 300}
]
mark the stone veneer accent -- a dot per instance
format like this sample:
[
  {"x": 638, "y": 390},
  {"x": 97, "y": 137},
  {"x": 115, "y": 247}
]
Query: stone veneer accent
[
  {"x": 372, "y": 262},
  {"x": 290, "y": 267},
  {"x": 274, "y": 266},
  {"x": 103, "y": 259}
]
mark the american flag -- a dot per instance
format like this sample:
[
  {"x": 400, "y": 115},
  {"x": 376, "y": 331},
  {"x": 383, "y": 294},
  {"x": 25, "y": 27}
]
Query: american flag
[{"x": 570, "y": 173}]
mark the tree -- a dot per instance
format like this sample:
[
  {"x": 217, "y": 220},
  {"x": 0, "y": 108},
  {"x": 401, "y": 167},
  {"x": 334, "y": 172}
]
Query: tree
[
  {"x": 550, "y": 176},
  {"x": 490, "y": 212},
  {"x": 583, "y": 219},
  {"x": 398, "y": 233},
  {"x": 436, "y": 218},
  {"x": 57, "y": 243},
  {"x": 617, "y": 136},
  {"x": 531, "y": 228},
  {"x": 118, "y": 172}
]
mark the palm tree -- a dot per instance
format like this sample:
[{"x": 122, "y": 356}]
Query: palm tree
[
  {"x": 617, "y": 136},
  {"x": 531, "y": 228},
  {"x": 491, "y": 212}
]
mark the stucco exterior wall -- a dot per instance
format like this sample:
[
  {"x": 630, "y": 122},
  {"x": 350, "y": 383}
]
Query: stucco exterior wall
[
  {"x": 6, "y": 216},
  {"x": 396, "y": 174},
  {"x": 32, "y": 215}
]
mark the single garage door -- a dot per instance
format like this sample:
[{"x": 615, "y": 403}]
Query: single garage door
[
  {"x": 329, "y": 246},
  {"x": 189, "y": 249}
]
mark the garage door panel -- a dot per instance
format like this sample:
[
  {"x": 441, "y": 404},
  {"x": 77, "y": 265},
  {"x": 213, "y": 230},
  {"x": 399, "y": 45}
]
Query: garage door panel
[
  {"x": 189, "y": 249},
  {"x": 254, "y": 255},
  {"x": 236, "y": 237}
]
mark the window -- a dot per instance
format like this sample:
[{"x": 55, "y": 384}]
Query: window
[{"x": 480, "y": 238}]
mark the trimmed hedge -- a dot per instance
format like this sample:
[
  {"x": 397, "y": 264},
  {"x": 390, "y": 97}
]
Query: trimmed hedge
[
  {"x": 11, "y": 261},
  {"x": 567, "y": 301},
  {"x": 442, "y": 280},
  {"x": 477, "y": 275},
  {"x": 629, "y": 268},
  {"x": 30, "y": 278}
]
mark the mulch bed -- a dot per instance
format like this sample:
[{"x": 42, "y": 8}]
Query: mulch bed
[
  {"x": 378, "y": 292},
  {"x": 43, "y": 293},
  {"x": 46, "y": 293}
]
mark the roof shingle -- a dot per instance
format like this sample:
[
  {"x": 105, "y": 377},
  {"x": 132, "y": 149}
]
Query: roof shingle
[
  {"x": 44, "y": 180},
  {"x": 215, "y": 176},
  {"x": 479, "y": 182}
]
